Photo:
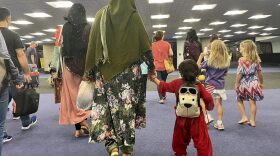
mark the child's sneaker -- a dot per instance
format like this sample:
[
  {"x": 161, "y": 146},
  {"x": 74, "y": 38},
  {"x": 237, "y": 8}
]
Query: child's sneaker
[
  {"x": 33, "y": 122},
  {"x": 219, "y": 126},
  {"x": 208, "y": 118},
  {"x": 7, "y": 138}
]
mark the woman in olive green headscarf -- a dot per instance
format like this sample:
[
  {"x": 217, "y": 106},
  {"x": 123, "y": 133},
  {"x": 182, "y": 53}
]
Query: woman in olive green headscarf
[{"x": 118, "y": 45}]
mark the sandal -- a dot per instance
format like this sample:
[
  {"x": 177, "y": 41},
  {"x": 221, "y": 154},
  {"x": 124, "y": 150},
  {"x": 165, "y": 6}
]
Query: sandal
[
  {"x": 250, "y": 124},
  {"x": 241, "y": 122}
]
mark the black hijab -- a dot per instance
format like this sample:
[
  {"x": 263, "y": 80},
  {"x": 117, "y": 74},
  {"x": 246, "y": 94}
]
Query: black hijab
[{"x": 75, "y": 33}]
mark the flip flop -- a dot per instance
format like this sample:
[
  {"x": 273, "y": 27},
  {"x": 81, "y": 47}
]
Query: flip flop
[
  {"x": 242, "y": 122},
  {"x": 251, "y": 125}
]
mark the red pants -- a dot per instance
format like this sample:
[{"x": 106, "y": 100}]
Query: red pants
[{"x": 187, "y": 129}]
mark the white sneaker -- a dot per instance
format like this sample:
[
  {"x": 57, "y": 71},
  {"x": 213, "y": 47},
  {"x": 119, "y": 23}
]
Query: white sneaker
[
  {"x": 208, "y": 118},
  {"x": 161, "y": 101},
  {"x": 219, "y": 126}
]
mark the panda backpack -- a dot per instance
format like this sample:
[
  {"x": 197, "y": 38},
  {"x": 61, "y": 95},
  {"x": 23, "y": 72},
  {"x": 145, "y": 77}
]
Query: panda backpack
[{"x": 189, "y": 101}]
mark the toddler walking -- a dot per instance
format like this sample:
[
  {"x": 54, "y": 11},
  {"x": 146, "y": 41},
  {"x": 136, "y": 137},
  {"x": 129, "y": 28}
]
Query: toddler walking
[
  {"x": 249, "y": 81},
  {"x": 188, "y": 128}
]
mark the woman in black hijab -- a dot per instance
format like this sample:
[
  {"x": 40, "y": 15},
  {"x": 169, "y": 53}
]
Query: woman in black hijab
[
  {"x": 75, "y": 35},
  {"x": 192, "y": 47}
]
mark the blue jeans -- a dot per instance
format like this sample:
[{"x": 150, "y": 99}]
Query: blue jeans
[
  {"x": 4, "y": 102},
  {"x": 25, "y": 120},
  {"x": 161, "y": 75}
]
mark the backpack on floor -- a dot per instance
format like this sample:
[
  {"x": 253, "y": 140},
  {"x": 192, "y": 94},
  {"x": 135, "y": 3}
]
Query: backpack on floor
[{"x": 189, "y": 101}]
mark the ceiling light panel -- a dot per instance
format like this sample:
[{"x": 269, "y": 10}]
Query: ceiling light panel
[
  {"x": 253, "y": 33},
  {"x": 160, "y": 26},
  {"x": 184, "y": 28},
  {"x": 38, "y": 15},
  {"x": 240, "y": 32},
  {"x": 204, "y": 7},
  {"x": 238, "y": 25},
  {"x": 159, "y": 30},
  {"x": 181, "y": 33},
  {"x": 38, "y": 34},
  {"x": 22, "y": 22},
  {"x": 265, "y": 34},
  {"x": 160, "y": 1},
  {"x": 270, "y": 29},
  {"x": 218, "y": 23},
  {"x": 224, "y": 31},
  {"x": 255, "y": 27},
  {"x": 50, "y": 30},
  {"x": 259, "y": 16},
  {"x": 235, "y": 12},
  {"x": 27, "y": 36},
  {"x": 191, "y": 20},
  {"x": 47, "y": 40},
  {"x": 60, "y": 4},
  {"x": 200, "y": 34},
  {"x": 13, "y": 28},
  {"x": 177, "y": 36},
  {"x": 160, "y": 16},
  {"x": 227, "y": 36},
  {"x": 206, "y": 29}
]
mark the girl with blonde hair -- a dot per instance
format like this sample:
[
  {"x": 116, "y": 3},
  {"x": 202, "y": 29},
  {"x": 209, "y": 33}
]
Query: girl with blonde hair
[
  {"x": 216, "y": 69},
  {"x": 249, "y": 81}
]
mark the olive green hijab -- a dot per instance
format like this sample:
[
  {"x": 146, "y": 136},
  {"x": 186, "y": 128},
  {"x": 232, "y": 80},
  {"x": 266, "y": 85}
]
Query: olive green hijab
[{"x": 117, "y": 40}]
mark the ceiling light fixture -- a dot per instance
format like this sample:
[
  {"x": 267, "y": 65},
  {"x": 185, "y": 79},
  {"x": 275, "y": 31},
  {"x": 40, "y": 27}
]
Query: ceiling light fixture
[
  {"x": 90, "y": 19},
  {"x": 50, "y": 30},
  {"x": 47, "y": 40},
  {"x": 235, "y": 12},
  {"x": 160, "y": 26},
  {"x": 159, "y": 30},
  {"x": 60, "y": 4},
  {"x": 22, "y": 22},
  {"x": 38, "y": 34},
  {"x": 238, "y": 25},
  {"x": 255, "y": 27},
  {"x": 38, "y": 15},
  {"x": 200, "y": 34},
  {"x": 227, "y": 36},
  {"x": 259, "y": 16},
  {"x": 160, "y": 1},
  {"x": 184, "y": 28},
  {"x": 27, "y": 36},
  {"x": 204, "y": 7},
  {"x": 218, "y": 23},
  {"x": 224, "y": 31},
  {"x": 206, "y": 29},
  {"x": 191, "y": 20},
  {"x": 13, "y": 28},
  {"x": 240, "y": 32},
  {"x": 270, "y": 29},
  {"x": 226, "y": 40},
  {"x": 160, "y": 16},
  {"x": 181, "y": 33},
  {"x": 177, "y": 36},
  {"x": 253, "y": 33},
  {"x": 265, "y": 34}
]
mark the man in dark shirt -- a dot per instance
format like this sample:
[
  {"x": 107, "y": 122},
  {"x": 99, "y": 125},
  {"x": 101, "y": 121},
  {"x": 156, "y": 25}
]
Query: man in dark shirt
[{"x": 15, "y": 48}]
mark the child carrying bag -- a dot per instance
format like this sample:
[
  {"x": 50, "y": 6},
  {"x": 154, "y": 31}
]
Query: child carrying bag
[{"x": 189, "y": 102}]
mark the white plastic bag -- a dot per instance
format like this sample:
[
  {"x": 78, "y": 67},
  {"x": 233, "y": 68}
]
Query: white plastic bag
[{"x": 85, "y": 95}]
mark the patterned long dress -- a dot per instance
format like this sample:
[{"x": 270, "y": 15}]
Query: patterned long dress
[
  {"x": 119, "y": 106},
  {"x": 249, "y": 88}
]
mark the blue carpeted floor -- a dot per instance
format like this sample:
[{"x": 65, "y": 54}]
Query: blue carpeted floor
[{"x": 47, "y": 138}]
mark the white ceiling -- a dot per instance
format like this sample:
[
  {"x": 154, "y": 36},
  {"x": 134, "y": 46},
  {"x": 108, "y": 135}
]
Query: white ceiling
[{"x": 178, "y": 10}]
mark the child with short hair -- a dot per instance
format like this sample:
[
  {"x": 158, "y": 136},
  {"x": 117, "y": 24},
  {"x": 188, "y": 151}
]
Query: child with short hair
[
  {"x": 249, "y": 81},
  {"x": 188, "y": 128},
  {"x": 216, "y": 69}
]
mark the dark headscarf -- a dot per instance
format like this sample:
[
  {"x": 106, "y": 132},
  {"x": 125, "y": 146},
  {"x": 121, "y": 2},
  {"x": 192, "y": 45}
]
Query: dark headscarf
[
  {"x": 75, "y": 37},
  {"x": 192, "y": 36},
  {"x": 117, "y": 40}
]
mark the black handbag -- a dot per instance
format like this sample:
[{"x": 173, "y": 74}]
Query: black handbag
[{"x": 27, "y": 101}]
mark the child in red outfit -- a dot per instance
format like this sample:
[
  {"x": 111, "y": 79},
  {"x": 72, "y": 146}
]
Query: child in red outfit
[{"x": 189, "y": 128}]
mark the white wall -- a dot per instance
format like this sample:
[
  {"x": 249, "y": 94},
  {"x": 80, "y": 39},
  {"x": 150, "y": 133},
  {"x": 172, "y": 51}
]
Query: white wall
[
  {"x": 276, "y": 46},
  {"x": 47, "y": 53}
]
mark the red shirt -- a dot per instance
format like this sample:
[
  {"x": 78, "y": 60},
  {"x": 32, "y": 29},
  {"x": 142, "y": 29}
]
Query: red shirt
[
  {"x": 175, "y": 85},
  {"x": 160, "y": 52}
]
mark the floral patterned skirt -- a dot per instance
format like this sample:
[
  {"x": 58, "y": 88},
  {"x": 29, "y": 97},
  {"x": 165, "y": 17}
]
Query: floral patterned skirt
[{"x": 119, "y": 107}]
